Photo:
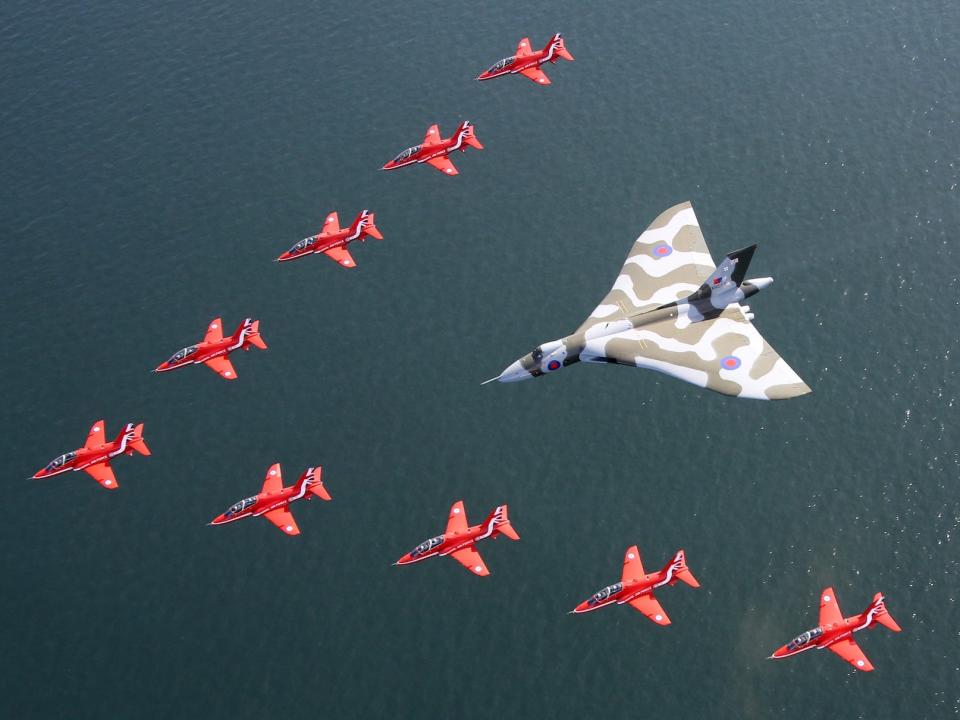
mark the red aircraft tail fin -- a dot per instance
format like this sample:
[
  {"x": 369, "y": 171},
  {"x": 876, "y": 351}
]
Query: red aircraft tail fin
[
  {"x": 501, "y": 523},
  {"x": 314, "y": 484},
  {"x": 365, "y": 225},
  {"x": 880, "y": 614},
  {"x": 559, "y": 49},
  {"x": 466, "y": 135},
  {"x": 248, "y": 333},
  {"x": 680, "y": 571},
  {"x": 131, "y": 438}
]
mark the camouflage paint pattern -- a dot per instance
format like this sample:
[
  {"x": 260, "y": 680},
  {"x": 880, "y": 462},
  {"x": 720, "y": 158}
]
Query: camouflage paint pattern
[{"x": 672, "y": 309}]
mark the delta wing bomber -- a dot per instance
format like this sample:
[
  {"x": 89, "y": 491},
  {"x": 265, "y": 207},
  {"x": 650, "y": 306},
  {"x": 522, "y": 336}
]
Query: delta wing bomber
[{"x": 674, "y": 310}]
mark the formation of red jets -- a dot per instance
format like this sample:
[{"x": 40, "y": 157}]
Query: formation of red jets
[{"x": 635, "y": 587}]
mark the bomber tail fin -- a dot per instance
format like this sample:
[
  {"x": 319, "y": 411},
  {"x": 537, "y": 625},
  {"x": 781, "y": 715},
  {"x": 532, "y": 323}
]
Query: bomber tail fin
[
  {"x": 680, "y": 571},
  {"x": 879, "y": 608},
  {"x": 731, "y": 272},
  {"x": 314, "y": 484},
  {"x": 466, "y": 134},
  {"x": 559, "y": 48},
  {"x": 249, "y": 333},
  {"x": 501, "y": 523}
]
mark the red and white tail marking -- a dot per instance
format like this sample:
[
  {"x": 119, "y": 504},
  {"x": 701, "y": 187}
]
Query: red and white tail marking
[{"x": 877, "y": 612}]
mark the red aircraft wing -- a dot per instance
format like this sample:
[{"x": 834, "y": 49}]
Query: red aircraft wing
[
  {"x": 331, "y": 226},
  {"x": 829, "y": 609},
  {"x": 471, "y": 560},
  {"x": 273, "y": 483},
  {"x": 456, "y": 520},
  {"x": 433, "y": 136},
  {"x": 443, "y": 164},
  {"x": 103, "y": 474},
  {"x": 95, "y": 436},
  {"x": 214, "y": 331},
  {"x": 649, "y": 606},
  {"x": 341, "y": 256},
  {"x": 537, "y": 75},
  {"x": 851, "y": 652},
  {"x": 283, "y": 519},
  {"x": 523, "y": 48},
  {"x": 222, "y": 366},
  {"x": 632, "y": 566}
]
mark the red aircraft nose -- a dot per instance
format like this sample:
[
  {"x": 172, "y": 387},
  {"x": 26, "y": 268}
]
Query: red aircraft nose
[
  {"x": 780, "y": 652},
  {"x": 162, "y": 367},
  {"x": 404, "y": 560},
  {"x": 42, "y": 473},
  {"x": 284, "y": 256},
  {"x": 218, "y": 520}
]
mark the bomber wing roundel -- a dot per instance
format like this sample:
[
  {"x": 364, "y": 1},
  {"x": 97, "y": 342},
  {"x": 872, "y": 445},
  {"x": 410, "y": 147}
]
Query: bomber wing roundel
[{"x": 669, "y": 261}]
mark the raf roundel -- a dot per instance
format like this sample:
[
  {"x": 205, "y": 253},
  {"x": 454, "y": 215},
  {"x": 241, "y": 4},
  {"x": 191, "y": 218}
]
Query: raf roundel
[
  {"x": 730, "y": 362},
  {"x": 553, "y": 365},
  {"x": 662, "y": 250}
]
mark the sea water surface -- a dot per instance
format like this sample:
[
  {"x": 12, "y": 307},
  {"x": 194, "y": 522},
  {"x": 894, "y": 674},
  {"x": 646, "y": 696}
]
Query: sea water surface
[{"x": 156, "y": 157}]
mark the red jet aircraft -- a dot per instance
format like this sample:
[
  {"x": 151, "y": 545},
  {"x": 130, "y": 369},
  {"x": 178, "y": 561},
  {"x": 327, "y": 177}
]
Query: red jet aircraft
[
  {"x": 434, "y": 149},
  {"x": 95, "y": 455},
  {"x": 214, "y": 349},
  {"x": 458, "y": 539},
  {"x": 273, "y": 499},
  {"x": 636, "y": 586},
  {"x": 527, "y": 62},
  {"x": 835, "y": 632},
  {"x": 332, "y": 241}
]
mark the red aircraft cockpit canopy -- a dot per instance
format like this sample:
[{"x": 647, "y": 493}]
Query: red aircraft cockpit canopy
[
  {"x": 407, "y": 153},
  {"x": 426, "y": 546},
  {"x": 605, "y": 593},
  {"x": 240, "y": 506},
  {"x": 501, "y": 64},
  {"x": 805, "y": 638},
  {"x": 60, "y": 461},
  {"x": 179, "y": 355}
]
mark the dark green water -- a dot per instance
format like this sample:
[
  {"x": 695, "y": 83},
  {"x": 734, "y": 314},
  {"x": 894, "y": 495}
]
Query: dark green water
[{"x": 156, "y": 157}]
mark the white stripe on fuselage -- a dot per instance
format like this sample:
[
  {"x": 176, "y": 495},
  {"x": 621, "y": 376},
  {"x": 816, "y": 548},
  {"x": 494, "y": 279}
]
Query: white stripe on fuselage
[
  {"x": 300, "y": 493},
  {"x": 491, "y": 526}
]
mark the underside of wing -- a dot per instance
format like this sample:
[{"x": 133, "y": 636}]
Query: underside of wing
[
  {"x": 851, "y": 652},
  {"x": 95, "y": 436},
  {"x": 103, "y": 474},
  {"x": 214, "y": 331},
  {"x": 283, "y": 519},
  {"x": 632, "y": 565},
  {"x": 670, "y": 260},
  {"x": 341, "y": 256},
  {"x": 443, "y": 164},
  {"x": 536, "y": 74},
  {"x": 649, "y": 606},
  {"x": 829, "y": 609},
  {"x": 726, "y": 355},
  {"x": 457, "y": 519},
  {"x": 222, "y": 366},
  {"x": 331, "y": 225},
  {"x": 471, "y": 560}
]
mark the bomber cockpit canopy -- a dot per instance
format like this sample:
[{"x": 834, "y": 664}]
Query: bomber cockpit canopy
[
  {"x": 501, "y": 64},
  {"x": 60, "y": 461},
  {"x": 804, "y": 639},
  {"x": 605, "y": 593},
  {"x": 179, "y": 355},
  {"x": 241, "y": 506},
  {"x": 426, "y": 546},
  {"x": 303, "y": 245},
  {"x": 407, "y": 153},
  {"x": 537, "y": 354}
]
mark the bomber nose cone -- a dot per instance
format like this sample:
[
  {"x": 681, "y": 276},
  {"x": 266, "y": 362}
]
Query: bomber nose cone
[{"x": 514, "y": 373}]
